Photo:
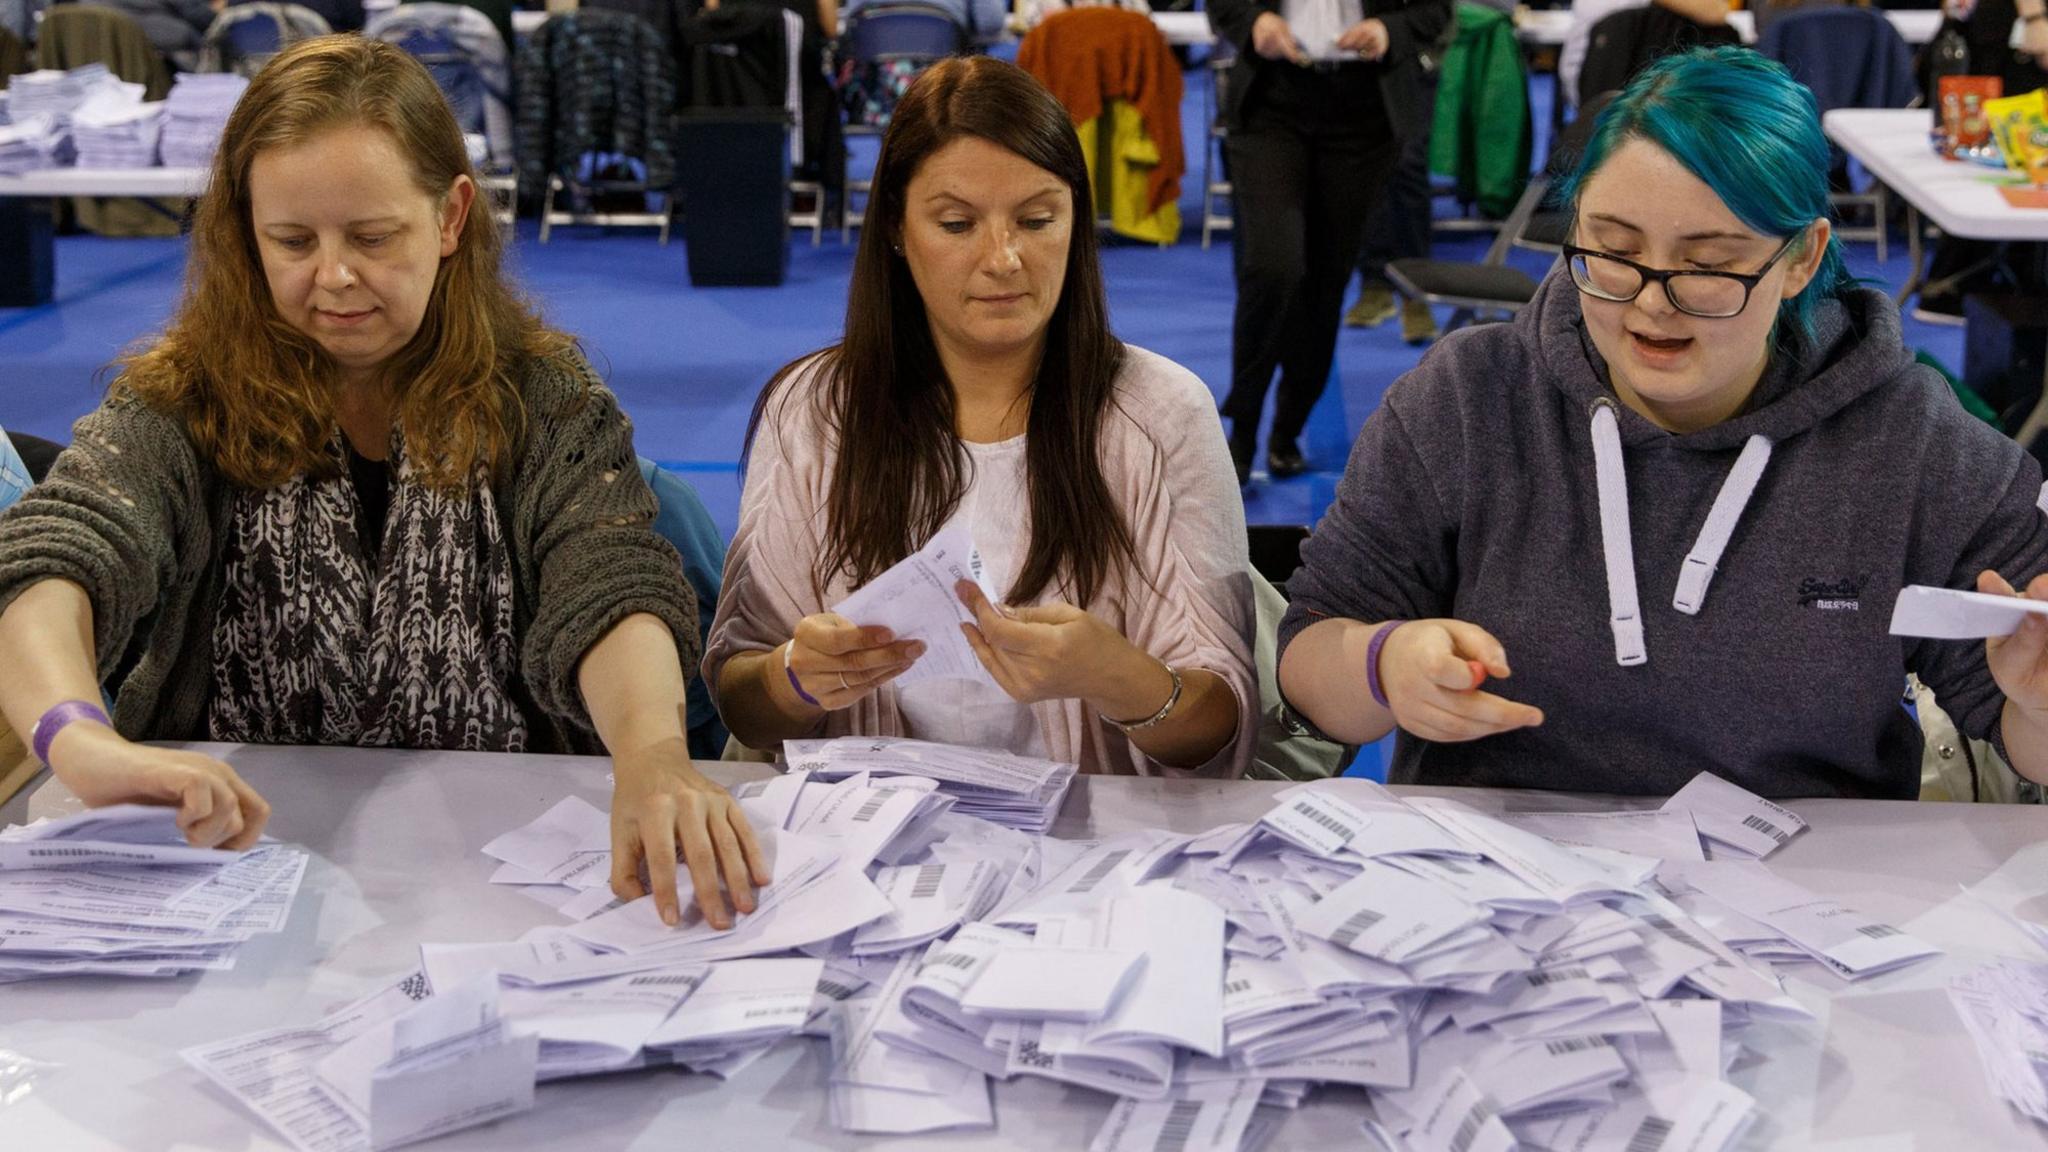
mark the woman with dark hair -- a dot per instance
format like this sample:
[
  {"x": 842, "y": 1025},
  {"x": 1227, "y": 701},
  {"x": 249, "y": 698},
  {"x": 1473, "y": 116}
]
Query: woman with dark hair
[
  {"x": 979, "y": 385},
  {"x": 1682, "y": 491},
  {"x": 357, "y": 493}
]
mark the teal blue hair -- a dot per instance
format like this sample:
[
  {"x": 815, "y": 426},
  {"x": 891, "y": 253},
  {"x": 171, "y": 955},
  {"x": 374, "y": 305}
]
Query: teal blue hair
[{"x": 1750, "y": 132}]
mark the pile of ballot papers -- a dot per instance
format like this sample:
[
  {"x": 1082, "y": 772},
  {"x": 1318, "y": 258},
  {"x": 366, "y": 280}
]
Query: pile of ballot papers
[
  {"x": 110, "y": 131},
  {"x": 1476, "y": 983},
  {"x": 1014, "y": 791},
  {"x": 2004, "y": 1007},
  {"x": 195, "y": 114},
  {"x": 29, "y": 145},
  {"x": 117, "y": 892},
  {"x": 56, "y": 94}
]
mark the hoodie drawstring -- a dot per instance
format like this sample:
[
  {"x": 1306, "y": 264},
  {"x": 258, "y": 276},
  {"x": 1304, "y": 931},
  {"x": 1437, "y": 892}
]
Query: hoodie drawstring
[
  {"x": 1705, "y": 557},
  {"x": 1624, "y": 612}
]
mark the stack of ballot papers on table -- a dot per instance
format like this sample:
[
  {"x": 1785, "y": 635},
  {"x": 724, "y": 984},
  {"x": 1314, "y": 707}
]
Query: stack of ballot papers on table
[
  {"x": 2004, "y": 1007},
  {"x": 1537, "y": 981},
  {"x": 1001, "y": 787},
  {"x": 195, "y": 114},
  {"x": 28, "y": 145},
  {"x": 117, "y": 892},
  {"x": 112, "y": 131}
]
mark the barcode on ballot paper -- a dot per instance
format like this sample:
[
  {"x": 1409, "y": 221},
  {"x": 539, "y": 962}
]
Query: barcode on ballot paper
[
  {"x": 1581, "y": 1044},
  {"x": 1767, "y": 828},
  {"x": 1179, "y": 1127},
  {"x": 1468, "y": 1128},
  {"x": 1326, "y": 820},
  {"x": 1102, "y": 868},
  {"x": 927, "y": 885},
  {"x": 952, "y": 960},
  {"x": 1553, "y": 975},
  {"x": 1650, "y": 1135},
  {"x": 1878, "y": 931},
  {"x": 874, "y": 804},
  {"x": 1359, "y": 924}
]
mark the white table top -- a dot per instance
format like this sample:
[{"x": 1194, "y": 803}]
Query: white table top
[
  {"x": 106, "y": 182},
  {"x": 1960, "y": 197},
  {"x": 395, "y": 839},
  {"x": 1550, "y": 26}
]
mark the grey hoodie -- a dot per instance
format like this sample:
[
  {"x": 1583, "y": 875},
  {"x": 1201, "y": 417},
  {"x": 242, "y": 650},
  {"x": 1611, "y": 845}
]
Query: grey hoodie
[{"x": 1475, "y": 492}]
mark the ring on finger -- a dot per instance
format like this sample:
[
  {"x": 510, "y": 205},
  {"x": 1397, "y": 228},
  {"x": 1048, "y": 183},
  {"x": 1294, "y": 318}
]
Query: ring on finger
[{"x": 843, "y": 685}]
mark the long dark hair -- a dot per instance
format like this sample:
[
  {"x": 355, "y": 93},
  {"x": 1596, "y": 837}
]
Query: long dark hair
[{"x": 899, "y": 471}]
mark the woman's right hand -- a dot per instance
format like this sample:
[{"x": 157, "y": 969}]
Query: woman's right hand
[
  {"x": 216, "y": 809},
  {"x": 1431, "y": 671},
  {"x": 838, "y": 662},
  {"x": 1274, "y": 40}
]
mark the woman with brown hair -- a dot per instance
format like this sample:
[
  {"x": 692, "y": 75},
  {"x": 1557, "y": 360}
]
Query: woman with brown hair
[
  {"x": 356, "y": 493},
  {"x": 979, "y": 386}
]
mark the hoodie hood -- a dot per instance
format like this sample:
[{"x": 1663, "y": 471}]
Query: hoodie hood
[{"x": 1856, "y": 349}]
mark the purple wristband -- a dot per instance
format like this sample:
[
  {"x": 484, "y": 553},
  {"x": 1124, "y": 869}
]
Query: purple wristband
[
  {"x": 1372, "y": 662},
  {"x": 57, "y": 717},
  {"x": 795, "y": 683}
]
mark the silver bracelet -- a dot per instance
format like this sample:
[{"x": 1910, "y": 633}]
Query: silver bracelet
[{"x": 1156, "y": 717}]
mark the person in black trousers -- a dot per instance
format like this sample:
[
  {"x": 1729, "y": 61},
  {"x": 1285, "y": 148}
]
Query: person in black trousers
[{"x": 1310, "y": 107}]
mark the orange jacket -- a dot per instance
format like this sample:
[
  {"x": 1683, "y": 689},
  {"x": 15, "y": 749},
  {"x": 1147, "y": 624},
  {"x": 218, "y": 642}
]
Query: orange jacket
[{"x": 1091, "y": 56}]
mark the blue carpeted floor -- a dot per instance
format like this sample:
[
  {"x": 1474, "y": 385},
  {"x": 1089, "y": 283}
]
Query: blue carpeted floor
[{"x": 687, "y": 362}]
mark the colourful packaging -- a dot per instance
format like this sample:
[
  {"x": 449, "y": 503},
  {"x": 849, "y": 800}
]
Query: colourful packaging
[
  {"x": 1963, "y": 100},
  {"x": 2032, "y": 138},
  {"x": 2008, "y": 117}
]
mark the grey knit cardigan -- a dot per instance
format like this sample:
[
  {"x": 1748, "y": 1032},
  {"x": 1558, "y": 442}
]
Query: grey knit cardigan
[{"x": 130, "y": 513}]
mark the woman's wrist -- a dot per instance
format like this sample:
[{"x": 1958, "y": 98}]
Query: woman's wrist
[
  {"x": 785, "y": 690},
  {"x": 1133, "y": 684}
]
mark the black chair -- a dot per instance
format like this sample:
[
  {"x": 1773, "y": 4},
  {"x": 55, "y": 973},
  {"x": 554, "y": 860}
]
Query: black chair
[
  {"x": 1626, "y": 42},
  {"x": 37, "y": 453},
  {"x": 1490, "y": 289}
]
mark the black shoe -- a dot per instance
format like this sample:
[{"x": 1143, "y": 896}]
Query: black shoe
[
  {"x": 1242, "y": 449},
  {"x": 1286, "y": 461}
]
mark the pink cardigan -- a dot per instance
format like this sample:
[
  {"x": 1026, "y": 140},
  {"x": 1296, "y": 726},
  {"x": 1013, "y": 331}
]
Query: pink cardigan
[{"x": 1190, "y": 603}]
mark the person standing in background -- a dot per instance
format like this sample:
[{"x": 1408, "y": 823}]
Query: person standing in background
[
  {"x": 1312, "y": 141},
  {"x": 1399, "y": 227}
]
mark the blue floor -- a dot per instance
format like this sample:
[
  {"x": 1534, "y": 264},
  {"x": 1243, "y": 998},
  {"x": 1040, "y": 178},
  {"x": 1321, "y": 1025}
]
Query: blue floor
[{"x": 687, "y": 362}]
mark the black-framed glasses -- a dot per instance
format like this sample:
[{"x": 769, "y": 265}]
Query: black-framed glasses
[{"x": 1708, "y": 295}]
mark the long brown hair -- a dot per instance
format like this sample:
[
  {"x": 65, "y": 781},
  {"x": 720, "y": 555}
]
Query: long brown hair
[
  {"x": 899, "y": 472},
  {"x": 257, "y": 396}
]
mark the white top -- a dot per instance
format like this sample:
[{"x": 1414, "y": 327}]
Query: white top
[
  {"x": 1316, "y": 24},
  {"x": 1959, "y": 196},
  {"x": 995, "y": 505}
]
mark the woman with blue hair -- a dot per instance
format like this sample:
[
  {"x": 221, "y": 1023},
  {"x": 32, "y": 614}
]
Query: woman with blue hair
[{"x": 1668, "y": 508}]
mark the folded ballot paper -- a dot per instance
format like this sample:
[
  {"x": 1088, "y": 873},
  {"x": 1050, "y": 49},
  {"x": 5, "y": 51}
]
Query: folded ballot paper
[
  {"x": 116, "y": 891},
  {"x": 1016, "y": 791},
  {"x": 1953, "y": 614},
  {"x": 1552, "y": 980},
  {"x": 404, "y": 1064},
  {"x": 2004, "y": 1008}
]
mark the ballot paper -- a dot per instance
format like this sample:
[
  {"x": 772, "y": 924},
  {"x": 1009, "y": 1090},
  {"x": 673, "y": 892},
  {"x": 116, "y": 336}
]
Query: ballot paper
[
  {"x": 445, "y": 1064},
  {"x": 915, "y": 600},
  {"x": 1210, "y": 1122},
  {"x": 1734, "y": 817},
  {"x": 740, "y": 1001},
  {"x": 2004, "y": 1008},
  {"x": 568, "y": 845},
  {"x": 1847, "y": 942},
  {"x": 1953, "y": 614},
  {"x": 1014, "y": 791},
  {"x": 1665, "y": 834},
  {"x": 117, "y": 892},
  {"x": 1052, "y": 983}
]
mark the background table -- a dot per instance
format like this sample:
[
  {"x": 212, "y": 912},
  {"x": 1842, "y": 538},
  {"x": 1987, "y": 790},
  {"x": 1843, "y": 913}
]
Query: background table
[
  {"x": 1960, "y": 197},
  {"x": 396, "y": 839}
]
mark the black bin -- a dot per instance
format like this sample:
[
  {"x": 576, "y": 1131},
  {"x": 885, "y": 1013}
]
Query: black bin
[
  {"x": 733, "y": 172},
  {"x": 28, "y": 257}
]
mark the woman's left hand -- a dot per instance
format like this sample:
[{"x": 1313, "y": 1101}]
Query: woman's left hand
[
  {"x": 1047, "y": 651},
  {"x": 2019, "y": 662},
  {"x": 661, "y": 801}
]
